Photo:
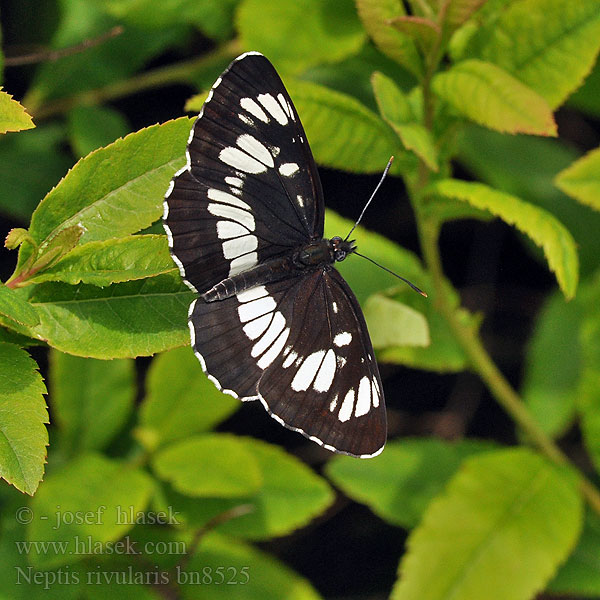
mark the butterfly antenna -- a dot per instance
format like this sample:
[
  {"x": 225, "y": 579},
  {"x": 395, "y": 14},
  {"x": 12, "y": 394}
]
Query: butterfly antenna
[
  {"x": 412, "y": 285},
  {"x": 385, "y": 172}
]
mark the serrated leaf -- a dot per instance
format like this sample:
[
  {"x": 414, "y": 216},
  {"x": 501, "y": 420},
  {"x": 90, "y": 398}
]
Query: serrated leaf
[
  {"x": 109, "y": 492},
  {"x": 15, "y": 237},
  {"x": 392, "y": 323},
  {"x": 112, "y": 261},
  {"x": 550, "y": 45},
  {"x": 553, "y": 365},
  {"x": 90, "y": 399},
  {"x": 444, "y": 354},
  {"x": 23, "y": 415},
  {"x": 55, "y": 247},
  {"x": 580, "y": 575},
  {"x": 399, "y": 484},
  {"x": 290, "y": 496},
  {"x": 542, "y": 227},
  {"x": 209, "y": 466},
  {"x": 300, "y": 34},
  {"x": 180, "y": 400},
  {"x": 581, "y": 180},
  {"x": 494, "y": 98},
  {"x": 375, "y": 15},
  {"x": 117, "y": 190},
  {"x": 342, "y": 132},
  {"x": 12, "y": 115},
  {"x": 91, "y": 127},
  {"x": 17, "y": 309},
  {"x": 501, "y": 511},
  {"x": 395, "y": 108},
  {"x": 124, "y": 320}
]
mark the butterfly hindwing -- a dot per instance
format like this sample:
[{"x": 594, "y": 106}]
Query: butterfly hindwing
[{"x": 250, "y": 190}]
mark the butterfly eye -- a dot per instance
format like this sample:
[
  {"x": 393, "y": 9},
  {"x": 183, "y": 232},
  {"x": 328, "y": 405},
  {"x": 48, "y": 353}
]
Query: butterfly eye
[{"x": 340, "y": 255}]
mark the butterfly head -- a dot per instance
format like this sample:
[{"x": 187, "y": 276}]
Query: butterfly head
[{"x": 341, "y": 248}]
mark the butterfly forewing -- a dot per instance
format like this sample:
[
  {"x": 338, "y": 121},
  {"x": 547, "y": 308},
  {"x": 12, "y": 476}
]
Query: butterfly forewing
[{"x": 251, "y": 192}]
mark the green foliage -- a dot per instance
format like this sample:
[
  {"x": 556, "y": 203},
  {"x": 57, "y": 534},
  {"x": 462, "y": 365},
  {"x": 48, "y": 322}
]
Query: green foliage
[
  {"x": 502, "y": 510},
  {"x": 142, "y": 452},
  {"x": 12, "y": 115}
]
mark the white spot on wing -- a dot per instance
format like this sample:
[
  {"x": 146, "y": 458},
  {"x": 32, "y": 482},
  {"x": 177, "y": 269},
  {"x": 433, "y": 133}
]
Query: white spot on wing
[
  {"x": 238, "y": 246},
  {"x": 288, "y": 169},
  {"x": 254, "y": 109},
  {"x": 255, "y": 149},
  {"x": 333, "y": 403},
  {"x": 289, "y": 360},
  {"x": 347, "y": 406},
  {"x": 326, "y": 372},
  {"x": 256, "y": 308},
  {"x": 256, "y": 328},
  {"x": 307, "y": 371},
  {"x": 242, "y": 263},
  {"x": 227, "y": 198},
  {"x": 335, "y": 307},
  {"x": 237, "y": 159},
  {"x": 274, "y": 108},
  {"x": 243, "y": 217},
  {"x": 375, "y": 392},
  {"x": 274, "y": 351},
  {"x": 229, "y": 229},
  {"x": 363, "y": 400},
  {"x": 342, "y": 339},
  {"x": 275, "y": 328},
  {"x": 234, "y": 181},
  {"x": 252, "y": 294},
  {"x": 284, "y": 104}
]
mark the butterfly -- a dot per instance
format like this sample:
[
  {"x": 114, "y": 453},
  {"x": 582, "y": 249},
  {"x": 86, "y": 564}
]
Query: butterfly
[{"x": 274, "y": 320}]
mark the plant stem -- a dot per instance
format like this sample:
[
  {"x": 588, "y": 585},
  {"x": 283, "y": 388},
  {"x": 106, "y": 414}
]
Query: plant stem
[
  {"x": 182, "y": 72},
  {"x": 468, "y": 338}
]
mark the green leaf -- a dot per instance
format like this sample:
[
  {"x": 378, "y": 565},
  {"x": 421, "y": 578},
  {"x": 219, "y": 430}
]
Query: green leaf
[
  {"x": 392, "y": 323},
  {"x": 495, "y": 98},
  {"x": 399, "y": 484},
  {"x": 22, "y": 417},
  {"x": 180, "y": 400},
  {"x": 91, "y": 127},
  {"x": 107, "y": 496},
  {"x": 581, "y": 180},
  {"x": 300, "y": 34},
  {"x": 209, "y": 466},
  {"x": 375, "y": 15},
  {"x": 498, "y": 160},
  {"x": 444, "y": 353},
  {"x": 550, "y": 45},
  {"x": 12, "y": 115},
  {"x": 501, "y": 511},
  {"x": 542, "y": 227},
  {"x": 587, "y": 98},
  {"x": 30, "y": 164},
  {"x": 117, "y": 190},
  {"x": 420, "y": 29},
  {"x": 290, "y": 496},
  {"x": 342, "y": 132},
  {"x": 91, "y": 400},
  {"x": 53, "y": 249},
  {"x": 553, "y": 365},
  {"x": 17, "y": 309},
  {"x": 15, "y": 237},
  {"x": 395, "y": 108},
  {"x": 124, "y": 320},
  {"x": 112, "y": 261},
  {"x": 580, "y": 575},
  {"x": 268, "y": 578}
]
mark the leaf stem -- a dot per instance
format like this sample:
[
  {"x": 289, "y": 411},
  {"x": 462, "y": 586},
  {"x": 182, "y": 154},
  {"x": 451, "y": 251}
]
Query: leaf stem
[{"x": 182, "y": 72}]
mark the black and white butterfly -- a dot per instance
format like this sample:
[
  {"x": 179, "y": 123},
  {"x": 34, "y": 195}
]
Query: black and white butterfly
[{"x": 274, "y": 320}]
